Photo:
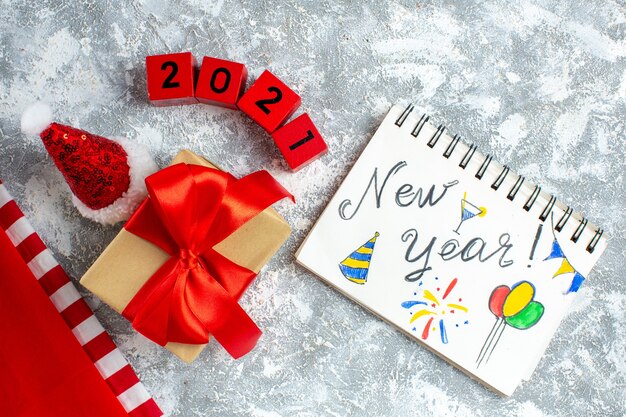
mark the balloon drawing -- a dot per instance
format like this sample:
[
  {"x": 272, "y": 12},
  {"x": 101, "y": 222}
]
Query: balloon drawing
[
  {"x": 469, "y": 211},
  {"x": 434, "y": 307},
  {"x": 357, "y": 265},
  {"x": 513, "y": 307}
]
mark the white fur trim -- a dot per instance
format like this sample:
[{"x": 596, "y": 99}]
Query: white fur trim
[
  {"x": 36, "y": 118},
  {"x": 141, "y": 165}
]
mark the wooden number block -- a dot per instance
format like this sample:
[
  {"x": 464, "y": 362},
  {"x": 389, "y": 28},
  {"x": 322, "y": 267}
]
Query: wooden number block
[
  {"x": 300, "y": 142},
  {"x": 170, "y": 79},
  {"x": 269, "y": 102},
  {"x": 221, "y": 82}
]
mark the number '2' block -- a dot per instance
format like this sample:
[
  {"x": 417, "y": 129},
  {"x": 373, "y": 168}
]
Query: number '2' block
[
  {"x": 221, "y": 82},
  {"x": 300, "y": 142},
  {"x": 170, "y": 79},
  {"x": 269, "y": 102}
]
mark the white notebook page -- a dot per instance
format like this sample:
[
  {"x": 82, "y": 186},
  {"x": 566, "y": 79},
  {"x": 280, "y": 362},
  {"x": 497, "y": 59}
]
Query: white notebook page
[{"x": 423, "y": 243}]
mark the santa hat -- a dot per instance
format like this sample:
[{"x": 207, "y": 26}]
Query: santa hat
[{"x": 106, "y": 176}]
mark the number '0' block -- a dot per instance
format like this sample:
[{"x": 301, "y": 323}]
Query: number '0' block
[
  {"x": 269, "y": 102},
  {"x": 170, "y": 79},
  {"x": 221, "y": 82},
  {"x": 300, "y": 142}
]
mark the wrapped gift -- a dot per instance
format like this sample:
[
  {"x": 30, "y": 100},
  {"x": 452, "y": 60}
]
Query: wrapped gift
[{"x": 179, "y": 265}]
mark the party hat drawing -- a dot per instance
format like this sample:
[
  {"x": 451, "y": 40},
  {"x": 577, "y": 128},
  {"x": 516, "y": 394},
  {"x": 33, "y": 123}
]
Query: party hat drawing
[{"x": 356, "y": 266}]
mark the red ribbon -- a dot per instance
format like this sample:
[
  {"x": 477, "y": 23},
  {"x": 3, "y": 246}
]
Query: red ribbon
[{"x": 191, "y": 209}]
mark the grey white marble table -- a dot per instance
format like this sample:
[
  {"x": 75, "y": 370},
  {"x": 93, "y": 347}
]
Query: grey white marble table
[{"x": 541, "y": 84}]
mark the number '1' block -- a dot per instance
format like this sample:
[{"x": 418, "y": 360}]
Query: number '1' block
[
  {"x": 269, "y": 102},
  {"x": 170, "y": 79},
  {"x": 300, "y": 142},
  {"x": 221, "y": 82}
]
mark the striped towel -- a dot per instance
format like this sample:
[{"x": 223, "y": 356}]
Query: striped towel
[{"x": 115, "y": 370}]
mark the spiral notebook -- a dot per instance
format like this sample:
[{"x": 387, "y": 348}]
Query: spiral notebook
[{"x": 455, "y": 249}]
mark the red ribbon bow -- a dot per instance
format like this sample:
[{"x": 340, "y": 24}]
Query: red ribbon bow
[{"x": 191, "y": 209}]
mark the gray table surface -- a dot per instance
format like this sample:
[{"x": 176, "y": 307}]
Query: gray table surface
[{"x": 539, "y": 84}]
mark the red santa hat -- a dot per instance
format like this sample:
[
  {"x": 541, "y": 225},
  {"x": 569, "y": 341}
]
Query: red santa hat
[{"x": 106, "y": 176}]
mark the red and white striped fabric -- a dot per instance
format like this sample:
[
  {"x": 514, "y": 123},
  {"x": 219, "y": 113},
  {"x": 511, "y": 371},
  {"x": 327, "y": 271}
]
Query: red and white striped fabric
[{"x": 107, "y": 358}]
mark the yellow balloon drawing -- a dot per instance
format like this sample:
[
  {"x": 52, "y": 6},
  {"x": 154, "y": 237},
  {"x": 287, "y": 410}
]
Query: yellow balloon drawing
[{"x": 517, "y": 299}]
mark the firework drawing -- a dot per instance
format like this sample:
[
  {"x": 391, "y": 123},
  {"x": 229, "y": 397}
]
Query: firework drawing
[{"x": 433, "y": 305}]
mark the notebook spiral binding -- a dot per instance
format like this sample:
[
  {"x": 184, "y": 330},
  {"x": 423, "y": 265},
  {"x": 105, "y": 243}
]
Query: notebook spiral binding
[{"x": 500, "y": 178}]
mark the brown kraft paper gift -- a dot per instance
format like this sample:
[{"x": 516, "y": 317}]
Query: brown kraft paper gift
[{"x": 129, "y": 261}]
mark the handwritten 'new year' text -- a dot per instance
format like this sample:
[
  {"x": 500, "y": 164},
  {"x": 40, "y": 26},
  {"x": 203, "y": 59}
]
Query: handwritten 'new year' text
[
  {"x": 405, "y": 195},
  {"x": 475, "y": 248}
]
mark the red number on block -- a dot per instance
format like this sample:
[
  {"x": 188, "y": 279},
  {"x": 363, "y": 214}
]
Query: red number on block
[
  {"x": 221, "y": 82},
  {"x": 170, "y": 79},
  {"x": 300, "y": 142},
  {"x": 269, "y": 102}
]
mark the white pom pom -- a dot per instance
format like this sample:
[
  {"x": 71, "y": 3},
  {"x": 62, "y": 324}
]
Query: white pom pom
[{"x": 36, "y": 118}]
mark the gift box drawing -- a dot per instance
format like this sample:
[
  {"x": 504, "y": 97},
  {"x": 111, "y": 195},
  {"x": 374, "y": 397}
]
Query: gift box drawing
[{"x": 179, "y": 265}]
